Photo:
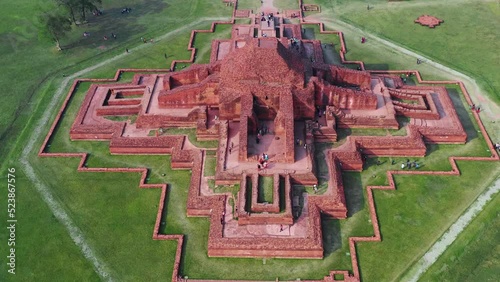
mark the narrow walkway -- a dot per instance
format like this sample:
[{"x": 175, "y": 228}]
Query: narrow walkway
[{"x": 268, "y": 7}]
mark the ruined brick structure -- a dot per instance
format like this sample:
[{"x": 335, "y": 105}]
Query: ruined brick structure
[
  {"x": 276, "y": 87},
  {"x": 274, "y": 91},
  {"x": 429, "y": 21}
]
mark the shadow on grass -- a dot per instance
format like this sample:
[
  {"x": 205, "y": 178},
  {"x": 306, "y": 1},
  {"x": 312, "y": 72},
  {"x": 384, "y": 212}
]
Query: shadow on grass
[
  {"x": 431, "y": 148},
  {"x": 342, "y": 133},
  {"x": 377, "y": 66},
  {"x": 163, "y": 223},
  {"x": 354, "y": 196},
  {"x": 298, "y": 192},
  {"x": 308, "y": 33},
  {"x": 463, "y": 113},
  {"x": 126, "y": 26},
  {"x": 183, "y": 255},
  {"x": 282, "y": 198},
  {"x": 332, "y": 240}
]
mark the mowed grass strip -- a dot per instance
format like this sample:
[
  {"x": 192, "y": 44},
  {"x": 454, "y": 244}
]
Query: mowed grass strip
[{"x": 265, "y": 189}]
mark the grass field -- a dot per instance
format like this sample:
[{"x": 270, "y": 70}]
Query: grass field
[
  {"x": 265, "y": 189},
  {"x": 117, "y": 218},
  {"x": 479, "y": 240},
  {"x": 33, "y": 63}
]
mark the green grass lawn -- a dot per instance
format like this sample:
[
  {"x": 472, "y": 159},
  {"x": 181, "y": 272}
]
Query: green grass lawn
[
  {"x": 33, "y": 63},
  {"x": 414, "y": 217},
  {"x": 203, "y": 42},
  {"x": 265, "y": 189},
  {"x": 117, "y": 218},
  {"x": 475, "y": 255},
  {"x": 210, "y": 166},
  {"x": 248, "y": 4},
  {"x": 191, "y": 134}
]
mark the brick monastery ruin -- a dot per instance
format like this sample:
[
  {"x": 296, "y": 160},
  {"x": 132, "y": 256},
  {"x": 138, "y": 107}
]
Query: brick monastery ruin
[
  {"x": 265, "y": 90},
  {"x": 279, "y": 82}
]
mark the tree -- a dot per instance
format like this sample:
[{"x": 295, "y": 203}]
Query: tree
[
  {"x": 79, "y": 6},
  {"x": 55, "y": 26},
  {"x": 87, "y": 5},
  {"x": 71, "y": 6}
]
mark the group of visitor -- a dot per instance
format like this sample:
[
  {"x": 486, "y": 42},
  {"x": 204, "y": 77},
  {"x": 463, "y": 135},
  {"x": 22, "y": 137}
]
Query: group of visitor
[
  {"x": 263, "y": 161},
  {"x": 112, "y": 35},
  {"x": 475, "y": 108},
  {"x": 405, "y": 76},
  {"x": 260, "y": 132},
  {"x": 126, "y": 10},
  {"x": 299, "y": 142},
  {"x": 409, "y": 164},
  {"x": 295, "y": 42},
  {"x": 267, "y": 18}
]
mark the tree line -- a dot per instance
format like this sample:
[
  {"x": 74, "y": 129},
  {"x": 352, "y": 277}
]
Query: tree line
[{"x": 57, "y": 22}]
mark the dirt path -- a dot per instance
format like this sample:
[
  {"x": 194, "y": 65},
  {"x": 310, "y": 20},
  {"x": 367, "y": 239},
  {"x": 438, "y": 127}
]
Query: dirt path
[
  {"x": 56, "y": 208},
  {"x": 268, "y": 7},
  {"x": 431, "y": 256}
]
